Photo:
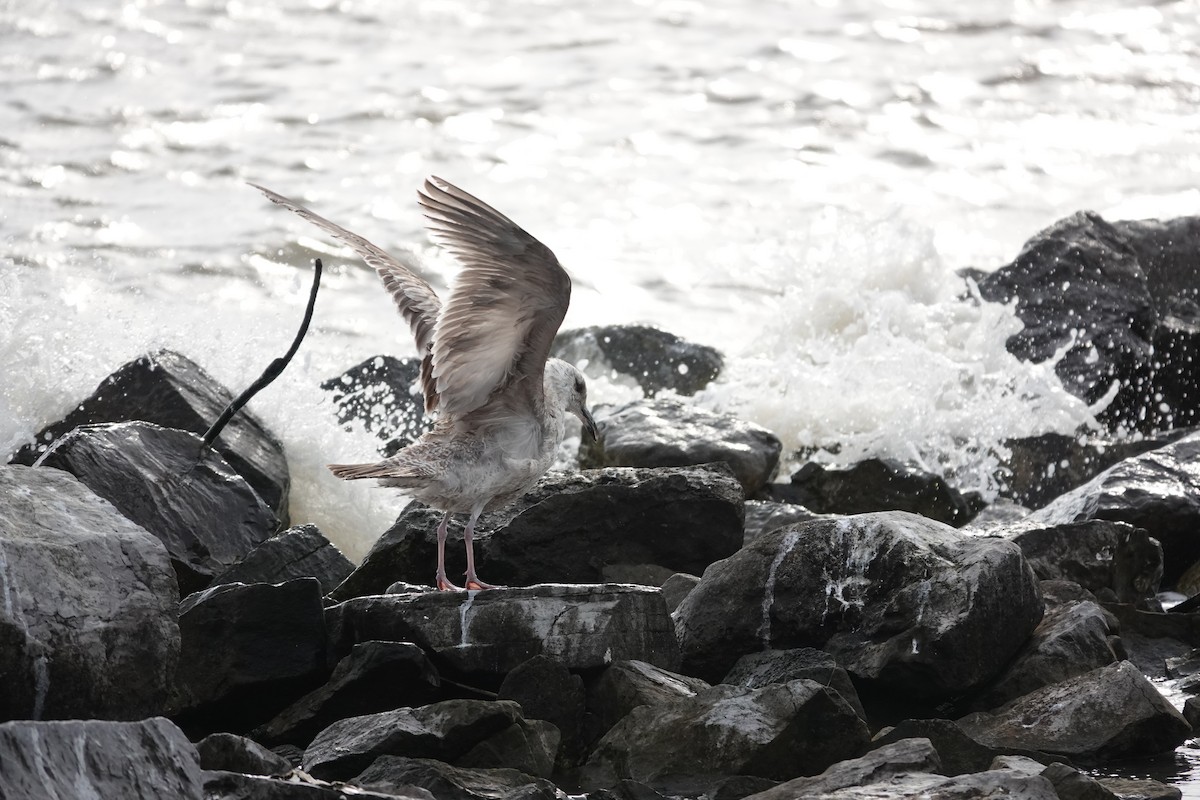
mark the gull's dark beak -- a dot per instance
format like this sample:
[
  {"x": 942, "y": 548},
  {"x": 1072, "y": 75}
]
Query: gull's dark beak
[{"x": 589, "y": 424}]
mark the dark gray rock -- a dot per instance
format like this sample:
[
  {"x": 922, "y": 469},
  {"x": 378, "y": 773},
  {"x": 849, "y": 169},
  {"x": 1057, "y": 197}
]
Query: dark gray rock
[
  {"x": 877, "y": 485},
  {"x": 146, "y": 760},
  {"x": 930, "y": 786},
  {"x": 572, "y": 529},
  {"x": 912, "y": 609},
  {"x": 446, "y": 782},
  {"x": 300, "y": 552},
  {"x": 172, "y": 391},
  {"x": 878, "y": 765},
  {"x": 490, "y": 633},
  {"x": 756, "y": 670},
  {"x": 248, "y": 651},
  {"x": 222, "y": 785},
  {"x": 1071, "y": 784},
  {"x": 546, "y": 690},
  {"x": 959, "y": 753},
  {"x": 1108, "y": 713},
  {"x": 1070, "y": 640},
  {"x": 233, "y": 753},
  {"x": 1140, "y": 789},
  {"x": 1040, "y": 468},
  {"x": 375, "y": 676},
  {"x": 626, "y": 685},
  {"x": 654, "y": 359},
  {"x": 529, "y": 746},
  {"x": 778, "y": 732},
  {"x": 665, "y": 432},
  {"x": 1113, "y": 558},
  {"x": 764, "y": 516},
  {"x": 382, "y": 394},
  {"x": 445, "y": 731},
  {"x": 677, "y": 587},
  {"x": 88, "y": 622},
  {"x": 166, "y": 481},
  {"x": 1116, "y": 296},
  {"x": 1158, "y": 491}
]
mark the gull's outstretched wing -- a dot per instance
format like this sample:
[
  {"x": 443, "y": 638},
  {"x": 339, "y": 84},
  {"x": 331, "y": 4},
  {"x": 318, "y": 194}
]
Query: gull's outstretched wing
[
  {"x": 494, "y": 332},
  {"x": 416, "y": 299}
]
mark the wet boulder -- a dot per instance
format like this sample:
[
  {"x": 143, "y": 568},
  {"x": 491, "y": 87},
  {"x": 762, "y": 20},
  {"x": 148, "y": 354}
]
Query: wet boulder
[
  {"x": 300, "y": 552},
  {"x": 912, "y": 609},
  {"x": 375, "y": 676},
  {"x": 756, "y": 670},
  {"x": 664, "y": 432},
  {"x": 958, "y": 753},
  {"x": 1158, "y": 491},
  {"x": 446, "y": 782},
  {"x": 626, "y": 685},
  {"x": 763, "y": 516},
  {"x": 547, "y": 690},
  {"x": 1071, "y": 639},
  {"x": 383, "y": 395},
  {"x": 233, "y": 753},
  {"x": 226, "y": 785},
  {"x": 172, "y": 391},
  {"x": 1112, "y": 559},
  {"x": 877, "y": 484},
  {"x": 779, "y": 732},
  {"x": 652, "y": 359},
  {"x": 145, "y": 760},
  {"x": 447, "y": 731},
  {"x": 1120, "y": 299},
  {"x": 587, "y": 527},
  {"x": 248, "y": 651},
  {"x": 490, "y": 633},
  {"x": 1109, "y": 713},
  {"x": 88, "y": 620},
  {"x": 165, "y": 480}
]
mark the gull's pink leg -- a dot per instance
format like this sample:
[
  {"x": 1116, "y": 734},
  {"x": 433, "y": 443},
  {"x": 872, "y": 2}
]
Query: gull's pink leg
[
  {"x": 442, "y": 583},
  {"x": 473, "y": 581}
]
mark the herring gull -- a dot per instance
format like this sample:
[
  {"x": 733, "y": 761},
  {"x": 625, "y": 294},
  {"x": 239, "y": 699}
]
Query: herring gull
[{"x": 500, "y": 401}]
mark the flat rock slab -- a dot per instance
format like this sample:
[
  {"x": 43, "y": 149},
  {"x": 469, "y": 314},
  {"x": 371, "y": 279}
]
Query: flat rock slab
[
  {"x": 147, "y": 760},
  {"x": 445, "y": 782},
  {"x": 88, "y": 622},
  {"x": 576, "y": 528},
  {"x": 494, "y": 631},
  {"x": 446, "y": 731},
  {"x": 165, "y": 480},
  {"x": 1108, "y": 713},
  {"x": 664, "y": 432},
  {"x": 173, "y": 391}
]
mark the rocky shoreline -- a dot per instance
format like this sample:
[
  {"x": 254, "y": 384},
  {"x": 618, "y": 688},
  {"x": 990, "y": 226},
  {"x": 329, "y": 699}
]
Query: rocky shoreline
[{"x": 683, "y": 622}]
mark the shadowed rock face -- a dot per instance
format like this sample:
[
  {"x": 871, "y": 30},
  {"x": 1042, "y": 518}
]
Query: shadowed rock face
[
  {"x": 908, "y": 606},
  {"x": 778, "y": 732},
  {"x": 487, "y": 634},
  {"x": 87, "y": 604}
]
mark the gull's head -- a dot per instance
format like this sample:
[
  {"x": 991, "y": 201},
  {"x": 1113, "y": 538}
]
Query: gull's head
[{"x": 566, "y": 387}]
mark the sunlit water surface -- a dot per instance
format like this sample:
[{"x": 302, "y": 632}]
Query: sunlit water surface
[{"x": 793, "y": 183}]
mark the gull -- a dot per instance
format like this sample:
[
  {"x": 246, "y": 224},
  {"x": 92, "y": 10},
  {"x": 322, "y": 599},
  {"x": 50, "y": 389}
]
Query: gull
[{"x": 500, "y": 403}]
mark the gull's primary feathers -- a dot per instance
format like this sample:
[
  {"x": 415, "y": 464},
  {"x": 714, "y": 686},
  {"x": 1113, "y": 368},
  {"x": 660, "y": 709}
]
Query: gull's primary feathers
[{"x": 500, "y": 403}]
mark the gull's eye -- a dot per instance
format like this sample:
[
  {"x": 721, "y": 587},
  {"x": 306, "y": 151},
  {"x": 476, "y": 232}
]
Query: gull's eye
[{"x": 578, "y": 386}]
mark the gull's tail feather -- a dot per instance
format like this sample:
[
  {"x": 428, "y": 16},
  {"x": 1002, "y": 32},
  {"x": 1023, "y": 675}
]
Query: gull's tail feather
[{"x": 352, "y": 472}]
